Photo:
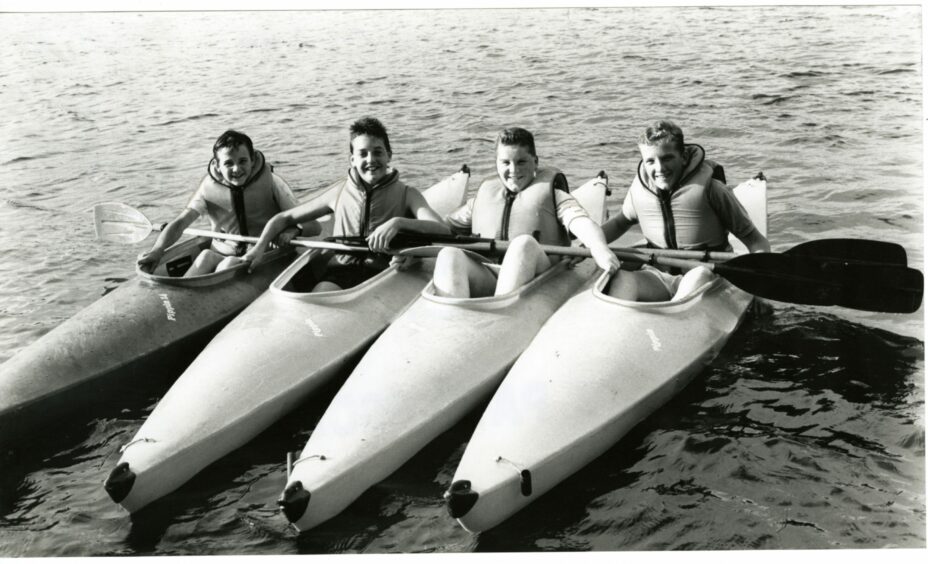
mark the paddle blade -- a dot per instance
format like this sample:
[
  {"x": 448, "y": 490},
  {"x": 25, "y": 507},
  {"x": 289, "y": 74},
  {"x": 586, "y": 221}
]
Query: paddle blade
[
  {"x": 119, "y": 223},
  {"x": 811, "y": 281},
  {"x": 859, "y": 250}
]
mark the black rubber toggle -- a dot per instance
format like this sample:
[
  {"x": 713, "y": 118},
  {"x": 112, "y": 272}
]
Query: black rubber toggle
[
  {"x": 294, "y": 501},
  {"x": 119, "y": 483},
  {"x": 460, "y": 498},
  {"x": 526, "y": 482}
]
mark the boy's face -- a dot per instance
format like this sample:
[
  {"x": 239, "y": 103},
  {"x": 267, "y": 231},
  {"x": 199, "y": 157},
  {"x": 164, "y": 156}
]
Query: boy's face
[
  {"x": 663, "y": 164},
  {"x": 515, "y": 166},
  {"x": 235, "y": 164},
  {"x": 369, "y": 157}
]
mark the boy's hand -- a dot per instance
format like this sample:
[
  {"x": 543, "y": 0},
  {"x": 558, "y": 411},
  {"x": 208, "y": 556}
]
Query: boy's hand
[
  {"x": 605, "y": 258},
  {"x": 149, "y": 260},
  {"x": 380, "y": 239},
  {"x": 286, "y": 236},
  {"x": 253, "y": 258}
]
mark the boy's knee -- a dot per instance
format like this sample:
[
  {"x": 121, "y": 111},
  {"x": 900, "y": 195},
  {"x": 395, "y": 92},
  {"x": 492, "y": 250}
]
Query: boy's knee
[{"x": 524, "y": 243}]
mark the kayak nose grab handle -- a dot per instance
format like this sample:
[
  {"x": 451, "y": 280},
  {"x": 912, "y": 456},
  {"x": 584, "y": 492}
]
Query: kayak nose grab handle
[
  {"x": 119, "y": 483},
  {"x": 525, "y": 476},
  {"x": 293, "y": 501},
  {"x": 460, "y": 498}
]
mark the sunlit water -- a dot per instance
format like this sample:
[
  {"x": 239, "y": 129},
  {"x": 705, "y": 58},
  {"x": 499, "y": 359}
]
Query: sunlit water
[{"x": 806, "y": 432}]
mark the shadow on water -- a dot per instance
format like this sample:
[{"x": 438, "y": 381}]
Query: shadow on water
[
  {"x": 794, "y": 352},
  {"x": 38, "y": 440},
  {"x": 213, "y": 494},
  {"x": 420, "y": 483}
]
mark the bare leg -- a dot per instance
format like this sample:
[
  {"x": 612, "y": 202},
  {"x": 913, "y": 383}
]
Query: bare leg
[
  {"x": 523, "y": 261},
  {"x": 326, "y": 287},
  {"x": 459, "y": 276},
  {"x": 638, "y": 286},
  {"x": 692, "y": 280},
  {"x": 205, "y": 263},
  {"x": 228, "y": 263}
]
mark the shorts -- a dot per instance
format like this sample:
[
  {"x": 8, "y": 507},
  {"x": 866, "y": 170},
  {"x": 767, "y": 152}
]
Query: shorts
[{"x": 350, "y": 275}]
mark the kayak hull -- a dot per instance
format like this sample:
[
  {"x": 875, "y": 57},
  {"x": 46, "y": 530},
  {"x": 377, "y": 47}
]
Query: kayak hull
[
  {"x": 267, "y": 361},
  {"x": 597, "y": 368},
  {"x": 125, "y": 339},
  {"x": 436, "y": 363},
  {"x": 532, "y": 436}
]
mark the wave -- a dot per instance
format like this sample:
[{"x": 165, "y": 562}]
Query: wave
[{"x": 189, "y": 118}]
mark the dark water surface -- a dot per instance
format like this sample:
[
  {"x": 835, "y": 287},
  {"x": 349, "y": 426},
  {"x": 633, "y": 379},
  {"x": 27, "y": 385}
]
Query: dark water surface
[{"x": 807, "y": 432}]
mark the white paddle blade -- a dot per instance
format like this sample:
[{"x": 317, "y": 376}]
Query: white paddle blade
[{"x": 119, "y": 223}]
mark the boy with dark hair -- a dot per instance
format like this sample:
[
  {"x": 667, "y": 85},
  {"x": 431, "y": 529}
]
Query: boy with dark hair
[
  {"x": 371, "y": 202},
  {"x": 239, "y": 194}
]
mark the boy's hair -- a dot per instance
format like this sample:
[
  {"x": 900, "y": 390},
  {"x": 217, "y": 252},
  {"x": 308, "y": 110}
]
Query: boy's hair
[
  {"x": 369, "y": 126},
  {"x": 662, "y": 131},
  {"x": 232, "y": 139},
  {"x": 517, "y": 136}
]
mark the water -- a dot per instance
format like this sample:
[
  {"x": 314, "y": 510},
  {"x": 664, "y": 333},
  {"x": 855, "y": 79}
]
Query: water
[{"x": 806, "y": 432}]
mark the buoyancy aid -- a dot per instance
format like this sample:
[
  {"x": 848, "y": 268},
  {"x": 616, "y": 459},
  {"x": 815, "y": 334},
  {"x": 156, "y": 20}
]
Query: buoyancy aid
[
  {"x": 680, "y": 218},
  {"x": 242, "y": 210},
  {"x": 502, "y": 214},
  {"x": 360, "y": 208}
]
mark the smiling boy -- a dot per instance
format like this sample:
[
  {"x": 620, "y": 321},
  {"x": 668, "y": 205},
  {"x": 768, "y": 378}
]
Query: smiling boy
[
  {"x": 679, "y": 205},
  {"x": 239, "y": 194},
  {"x": 520, "y": 200},
  {"x": 371, "y": 202}
]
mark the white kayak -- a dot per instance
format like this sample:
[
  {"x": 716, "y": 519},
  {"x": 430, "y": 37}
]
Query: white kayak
[
  {"x": 266, "y": 362},
  {"x": 436, "y": 363},
  {"x": 597, "y": 368}
]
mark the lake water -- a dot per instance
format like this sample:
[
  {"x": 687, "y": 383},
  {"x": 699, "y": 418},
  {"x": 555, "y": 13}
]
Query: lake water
[{"x": 806, "y": 432}]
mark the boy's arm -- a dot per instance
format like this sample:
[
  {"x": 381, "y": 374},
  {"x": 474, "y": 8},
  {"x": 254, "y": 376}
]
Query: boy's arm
[
  {"x": 168, "y": 236},
  {"x": 591, "y": 235},
  {"x": 735, "y": 218},
  {"x": 426, "y": 221},
  {"x": 616, "y": 226},
  {"x": 287, "y": 200},
  {"x": 756, "y": 242},
  {"x": 317, "y": 207}
]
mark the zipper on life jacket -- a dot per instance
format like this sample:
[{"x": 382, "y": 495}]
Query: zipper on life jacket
[
  {"x": 507, "y": 211},
  {"x": 366, "y": 217},
  {"x": 670, "y": 230},
  {"x": 238, "y": 204}
]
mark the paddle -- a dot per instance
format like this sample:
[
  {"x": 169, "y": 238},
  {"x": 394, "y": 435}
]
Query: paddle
[
  {"x": 120, "y": 223},
  {"x": 854, "y": 250},
  {"x": 805, "y": 274}
]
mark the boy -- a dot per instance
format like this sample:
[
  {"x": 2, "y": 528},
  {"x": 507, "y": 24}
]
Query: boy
[
  {"x": 239, "y": 194},
  {"x": 679, "y": 206},
  {"x": 372, "y": 202},
  {"x": 521, "y": 200}
]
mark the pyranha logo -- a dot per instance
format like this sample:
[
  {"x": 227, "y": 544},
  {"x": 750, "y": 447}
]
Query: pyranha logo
[
  {"x": 317, "y": 331},
  {"x": 655, "y": 342},
  {"x": 168, "y": 307}
]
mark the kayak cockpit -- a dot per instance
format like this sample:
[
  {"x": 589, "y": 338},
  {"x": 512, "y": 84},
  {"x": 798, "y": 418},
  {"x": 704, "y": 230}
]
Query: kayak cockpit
[{"x": 178, "y": 258}]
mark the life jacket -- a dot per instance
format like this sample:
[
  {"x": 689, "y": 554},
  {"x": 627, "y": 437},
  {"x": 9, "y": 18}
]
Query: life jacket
[
  {"x": 242, "y": 210},
  {"x": 502, "y": 214},
  {"x": 681, "y": 218},
  {"x": 360, "y": 208}
]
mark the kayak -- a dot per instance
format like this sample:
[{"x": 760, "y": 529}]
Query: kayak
[
  {"x": 597, "y": 368},
  {"x": 266, "y": 362},
  {"x": 124, "y": 339},
  {"x": 435, "y": 363}
]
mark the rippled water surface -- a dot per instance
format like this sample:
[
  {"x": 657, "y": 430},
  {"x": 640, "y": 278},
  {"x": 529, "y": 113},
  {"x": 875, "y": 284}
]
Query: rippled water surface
[{"x": 806, "y": 432}]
